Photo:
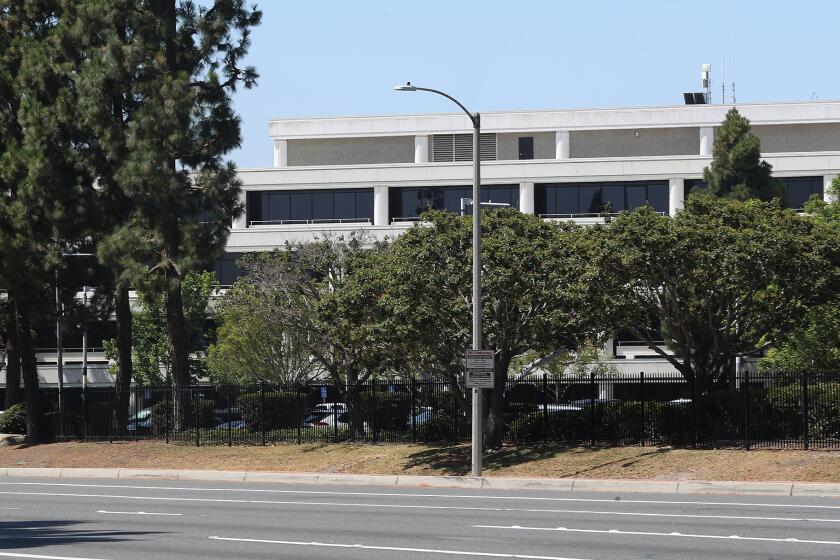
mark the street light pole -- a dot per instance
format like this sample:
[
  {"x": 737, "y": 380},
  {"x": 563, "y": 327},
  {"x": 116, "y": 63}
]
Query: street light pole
[{"x": 477, "y": 341}]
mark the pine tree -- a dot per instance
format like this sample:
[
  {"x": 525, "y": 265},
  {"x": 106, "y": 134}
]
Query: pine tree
[
  {"x": 49, "y": 190},
  {"x": 183, "y": 195},
  {"x": 737, "y": 170}
]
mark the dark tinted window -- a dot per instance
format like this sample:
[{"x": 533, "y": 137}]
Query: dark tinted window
[
  {"x": 326, "y": 205},
  {"x": 410, "y": 202},
  {"x": 526, "y": 147},
  {"x": 569, "y": 199},
  {"x": 226, "y": 269},
  {"x": 800, "y": 189},
  {"x": 692, "y": 185}
]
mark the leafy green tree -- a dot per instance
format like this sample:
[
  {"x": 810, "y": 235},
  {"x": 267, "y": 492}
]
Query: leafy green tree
[
  {"x": 737, "y": 170},
  {"x": 255, "y": 339},
  {"x": 725, "y": 278},
  {"x": 814, "y": 345},
  {"x": 149, "y": 342},
  {"x": 331, "y": 309},
  {"x": 538, "y": 289},
  {"x": 11, "y": 361}
]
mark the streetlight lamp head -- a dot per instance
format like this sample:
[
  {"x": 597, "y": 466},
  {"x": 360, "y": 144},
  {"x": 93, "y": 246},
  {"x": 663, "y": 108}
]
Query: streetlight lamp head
[{"x": 405, "y": 87}]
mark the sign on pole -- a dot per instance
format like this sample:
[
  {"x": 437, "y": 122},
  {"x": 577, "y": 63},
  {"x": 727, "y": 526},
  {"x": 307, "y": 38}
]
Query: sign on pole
[{"x": 479, "y": 369}]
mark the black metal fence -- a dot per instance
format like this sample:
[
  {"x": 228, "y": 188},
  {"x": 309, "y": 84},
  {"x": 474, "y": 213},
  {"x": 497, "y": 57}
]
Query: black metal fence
[{"x": 783, "y": 410}]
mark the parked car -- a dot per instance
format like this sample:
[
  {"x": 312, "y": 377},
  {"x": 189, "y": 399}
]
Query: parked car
[
  {"x": 320, "y": 419},
  {"x": 140, "y": 422},
  {"x": 424, "y": 414},
  {"x": 233, "y": 425}
]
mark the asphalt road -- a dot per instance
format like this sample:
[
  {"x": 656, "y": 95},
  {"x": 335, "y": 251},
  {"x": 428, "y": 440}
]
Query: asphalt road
[{"x": 126, "y": 520}]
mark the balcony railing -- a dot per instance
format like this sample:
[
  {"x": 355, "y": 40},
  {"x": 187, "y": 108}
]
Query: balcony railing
[{"x": 310, "y": 222}]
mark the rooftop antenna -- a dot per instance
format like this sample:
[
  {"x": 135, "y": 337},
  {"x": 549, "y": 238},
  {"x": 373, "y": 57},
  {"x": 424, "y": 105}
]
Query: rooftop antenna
[
  {"x": 733, "y": 80},
  {"x": 705, "y": 76},
  {"x": 723, "y": 80}
]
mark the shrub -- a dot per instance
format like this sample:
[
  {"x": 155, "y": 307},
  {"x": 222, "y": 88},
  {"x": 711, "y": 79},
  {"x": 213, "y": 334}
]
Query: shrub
[
  {"x": 280, "y": 410},
  {"x": 201, "y": 412},
  {"x": 13, "y": 421},
  {"x": 386, "y": 411},
  {"x": 438, "y": 428}
]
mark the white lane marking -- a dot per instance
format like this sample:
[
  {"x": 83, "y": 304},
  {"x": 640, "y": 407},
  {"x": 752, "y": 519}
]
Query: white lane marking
[
  {"x": 8, "y": 508},
  {"x": 410, "y": 506},
  {"x": 40, "y": 556},
  {"x": 396, "y": 549},
  {"x": 138, "y": 513},
  {"x": 448, "y": 496},
  {"x": 653, "y": 534}
]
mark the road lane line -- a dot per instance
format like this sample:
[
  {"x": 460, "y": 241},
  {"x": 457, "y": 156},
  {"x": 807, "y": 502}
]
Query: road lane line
[
  {"x": 138, "y": 513},
  {"x": 41, "y": 556},
  {"x": 447, "y": 496},
  {"x": 654, "y": 534},
  {"x": 414, "y": 507},
  {"x": 8, "y": 508},
  {"x": 395, "y": 549}
]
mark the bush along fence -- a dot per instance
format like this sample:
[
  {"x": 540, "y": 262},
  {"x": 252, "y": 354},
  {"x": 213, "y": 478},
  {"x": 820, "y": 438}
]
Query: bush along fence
[{"x": 782, "y": 410}]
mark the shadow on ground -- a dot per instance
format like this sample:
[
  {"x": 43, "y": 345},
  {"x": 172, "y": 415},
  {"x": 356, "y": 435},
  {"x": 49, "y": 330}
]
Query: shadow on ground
[
  {"x": 455, "y": 460},
  {"x": 34, "y": 534}
]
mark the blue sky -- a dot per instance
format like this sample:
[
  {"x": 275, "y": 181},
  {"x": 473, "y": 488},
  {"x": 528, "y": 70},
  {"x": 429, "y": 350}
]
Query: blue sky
[{"x": 323, "y": 58}]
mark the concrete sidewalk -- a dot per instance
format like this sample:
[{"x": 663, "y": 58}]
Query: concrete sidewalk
[{"x": 465, "y": 482}]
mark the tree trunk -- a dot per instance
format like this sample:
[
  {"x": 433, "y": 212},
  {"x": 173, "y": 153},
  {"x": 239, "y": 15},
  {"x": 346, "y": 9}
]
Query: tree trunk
[
  {"x": 175, "y": 331},
  {"x": 14, "y": 394},
  {"x": 178, "y": 355},
  {"x": 32, "y": 390},
  {"x": 494, "y": 414},
  {"x": 122, "y": 385}
]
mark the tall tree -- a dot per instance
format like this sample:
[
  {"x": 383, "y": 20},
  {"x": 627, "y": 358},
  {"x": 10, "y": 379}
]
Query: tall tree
[
  {"x": 539, "y": 293},
  {"x": 12, "y": 367},
  {"x": 184, "y": 60},
  {"x": 725, "y": 278},
  {"x": 737, "y": 170},
  {"x": 41, "y": 167}
]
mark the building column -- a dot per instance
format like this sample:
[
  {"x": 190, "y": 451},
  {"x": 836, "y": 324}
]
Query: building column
[
  {"x": 676, "y": 195},
  {"x": 380, "y": 206},
  {"x": 281, "y": 155},
  {"x": 421, "y": 149},
  {"x": 707, "y": 140},
  {"x": 561, "y": 139},
  {"x": 526, "y": 198},
  {"x": 242, "y": 221},
  {"x": 828, "y": 196}
]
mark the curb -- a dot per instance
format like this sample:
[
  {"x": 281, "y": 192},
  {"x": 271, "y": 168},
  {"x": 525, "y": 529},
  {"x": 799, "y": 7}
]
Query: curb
[{"x": 687, "y": 487}]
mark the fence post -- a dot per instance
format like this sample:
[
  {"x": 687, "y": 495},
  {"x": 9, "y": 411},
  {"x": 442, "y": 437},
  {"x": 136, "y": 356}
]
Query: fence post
[
  {"x": 644, "y": 407},
  {"x": 592, "y": 408},
  {"x": 166, "y": 411},
  {"x": 113, "y": 417},
  {"x": 335, "y": 411},
  {"x": 805, "y": 434},
  {"x": 544, "y": 408},
  {"x": 746, "y": 382},
  {"x": 230, "y": 432},
  {"x": 84, "y": 412},
  {"x": 413, "y": 409},
  {"x": 694, "y": 412},
  {"x": 298, "y": 419},
  {"x": 262, "y": 411},
  {"x": 373, "y": 409},
  {"x": 193, "y": 402}
]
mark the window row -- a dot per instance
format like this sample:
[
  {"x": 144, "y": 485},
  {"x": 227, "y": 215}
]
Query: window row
[
  {"x": 409, "y": 202},
  {"x": 797, "y": 189},
  {"x": 311, "y": 206},
  {"x": 581, "y": 199}
]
